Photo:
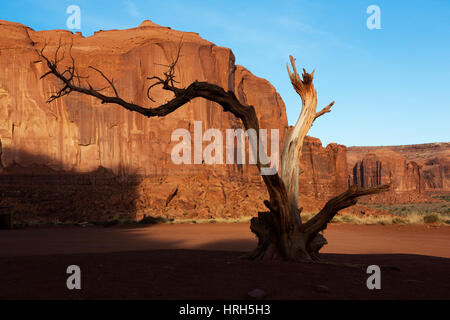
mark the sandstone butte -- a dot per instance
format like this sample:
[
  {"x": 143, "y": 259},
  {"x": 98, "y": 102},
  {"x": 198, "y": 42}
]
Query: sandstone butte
[{"x": 77, "y": 159}]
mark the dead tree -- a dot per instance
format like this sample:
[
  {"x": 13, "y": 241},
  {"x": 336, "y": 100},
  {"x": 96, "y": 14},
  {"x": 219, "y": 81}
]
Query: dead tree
[{"x": 280, "y": 231}]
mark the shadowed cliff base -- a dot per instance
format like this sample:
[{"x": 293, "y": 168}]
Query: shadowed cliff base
[{"x": 42, "y": 193}]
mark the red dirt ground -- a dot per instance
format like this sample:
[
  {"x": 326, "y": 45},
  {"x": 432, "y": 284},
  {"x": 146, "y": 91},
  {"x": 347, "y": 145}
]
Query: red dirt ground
[{"x": 204, "y": 262}]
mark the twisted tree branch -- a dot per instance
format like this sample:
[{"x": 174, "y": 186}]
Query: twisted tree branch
[
  {"x": 226, "y": 99},
  {"x": 334, "y": 205},
  {"x": 280, "y": 231}
]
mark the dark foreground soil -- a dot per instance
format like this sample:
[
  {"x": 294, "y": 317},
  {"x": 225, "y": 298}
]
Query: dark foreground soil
[{"x": 215, "y": 269}]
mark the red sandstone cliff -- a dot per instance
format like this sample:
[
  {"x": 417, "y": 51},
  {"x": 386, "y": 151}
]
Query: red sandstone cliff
[
  {"x": 325, "y": 169},
  {"x": 79, "y": 134},
  {"x": 79, "y": 145},
  {"x": 413, "y": 170}
]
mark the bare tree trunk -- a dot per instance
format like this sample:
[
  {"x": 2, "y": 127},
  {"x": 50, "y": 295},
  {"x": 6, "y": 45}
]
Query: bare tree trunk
[{"x": 280, "y": 231}]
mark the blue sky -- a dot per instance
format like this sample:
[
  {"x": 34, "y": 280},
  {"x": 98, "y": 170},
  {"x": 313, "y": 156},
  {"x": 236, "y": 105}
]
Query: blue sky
[{"x": 391, "y": 86}]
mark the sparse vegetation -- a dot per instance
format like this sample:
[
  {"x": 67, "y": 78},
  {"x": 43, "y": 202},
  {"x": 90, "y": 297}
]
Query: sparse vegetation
[
  {"x": 431, "y": 218},
  {"x": 410, "y": 218},
  {"x": 408, "y": 208},
  {"x": 153, "y": 220},
  {"x": 403, "y": 219},
  {"x": 244, "y": 219},
  {"x": 443, "y": 197}
]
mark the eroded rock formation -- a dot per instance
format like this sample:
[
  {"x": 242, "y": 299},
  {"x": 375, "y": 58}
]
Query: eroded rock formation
[
  {"x": 79, "y": 134},
  {"x": 413, "y": 170},
  {"x": 76, "y": 159},
  {"x": 325, "y": 169}
]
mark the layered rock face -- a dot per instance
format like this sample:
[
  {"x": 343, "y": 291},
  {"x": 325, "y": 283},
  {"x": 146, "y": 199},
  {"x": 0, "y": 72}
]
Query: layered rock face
[
  {"x": 78, "y": 160},
  {"x": 413, "y": 170},
  {"x": 78, "y": 134},
  {"x": 325, "y": 169}
]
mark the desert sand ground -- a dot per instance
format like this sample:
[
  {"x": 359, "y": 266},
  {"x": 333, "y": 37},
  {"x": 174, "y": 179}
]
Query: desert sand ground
[{"x": 204, "y": 261}]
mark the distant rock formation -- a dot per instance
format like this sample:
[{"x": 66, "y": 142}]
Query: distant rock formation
[{"x": 412, "y": 169}]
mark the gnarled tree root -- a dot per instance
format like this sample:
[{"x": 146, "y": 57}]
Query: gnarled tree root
[{"x": 302, "y": 242}]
